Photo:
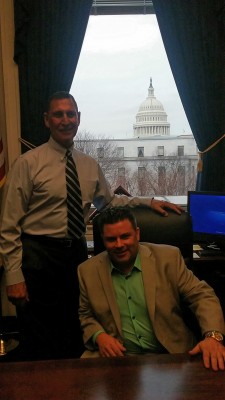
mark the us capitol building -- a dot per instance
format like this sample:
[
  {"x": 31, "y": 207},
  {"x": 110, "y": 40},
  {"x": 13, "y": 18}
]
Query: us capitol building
[{"x": 151, "y": 118}]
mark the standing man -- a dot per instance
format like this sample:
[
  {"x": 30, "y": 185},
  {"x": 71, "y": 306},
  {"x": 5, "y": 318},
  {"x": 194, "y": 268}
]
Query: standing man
[
  {"x": 131, "y": 297},
  {"x": 39, "y": 240}
]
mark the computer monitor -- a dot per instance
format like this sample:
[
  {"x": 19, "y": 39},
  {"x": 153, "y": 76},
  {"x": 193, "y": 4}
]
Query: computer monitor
[{"x": 207, "y": 210}]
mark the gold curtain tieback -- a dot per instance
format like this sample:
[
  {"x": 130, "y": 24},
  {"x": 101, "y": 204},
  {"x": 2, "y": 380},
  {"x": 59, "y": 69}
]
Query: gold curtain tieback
[
  {"x": 200, "y": 153},
  {"x": 27, "y": 144}
]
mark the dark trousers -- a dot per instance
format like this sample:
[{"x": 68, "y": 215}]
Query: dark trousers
[{"x": 49, "y": 323}]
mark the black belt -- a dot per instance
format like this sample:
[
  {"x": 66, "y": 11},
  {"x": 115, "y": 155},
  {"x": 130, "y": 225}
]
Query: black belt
[{"x": 58, "y": 242}]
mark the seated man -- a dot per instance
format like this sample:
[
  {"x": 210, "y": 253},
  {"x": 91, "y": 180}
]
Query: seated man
[{"x": 131, "y": 294}]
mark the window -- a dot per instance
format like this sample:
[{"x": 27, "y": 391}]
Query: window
[
  {"x": 160, "y": 150},
  {"x": 141, "y": 172},
  {"x": 120, "y": 152},
  {"x": 180, "y": 150},
  {"x": 109, "y": 98},
  {"x": 121, "y": 172},
  {"x": 100, "y": 152},
  {"x": 140, "y": 151}
]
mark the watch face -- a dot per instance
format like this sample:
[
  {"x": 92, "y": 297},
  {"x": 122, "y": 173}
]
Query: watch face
[{"x": 218, "y": 336}]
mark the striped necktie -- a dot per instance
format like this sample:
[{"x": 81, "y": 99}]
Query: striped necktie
[{"x": 75, "y": 216}]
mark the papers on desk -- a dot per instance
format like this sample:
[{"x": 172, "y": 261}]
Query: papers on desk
[
  {"x": 201, "y": 251},
  {"x": 196, "y": 247},
  {"x": 195, "y": 255}
]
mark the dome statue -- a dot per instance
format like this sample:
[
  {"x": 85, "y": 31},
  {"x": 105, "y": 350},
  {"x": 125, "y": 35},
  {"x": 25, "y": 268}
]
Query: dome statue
[{"x": 151, "y": 119}]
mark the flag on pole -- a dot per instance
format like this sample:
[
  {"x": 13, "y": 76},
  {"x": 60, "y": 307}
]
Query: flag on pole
[{"x": 2, "y": 165}]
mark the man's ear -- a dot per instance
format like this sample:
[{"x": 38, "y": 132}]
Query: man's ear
[
  {"x": 46, "y": 121},
  {"x": 79, "y": 115},
  {"x": 138, "y": 233}
]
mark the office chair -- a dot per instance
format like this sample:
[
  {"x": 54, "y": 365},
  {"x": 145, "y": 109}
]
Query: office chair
[{"x": 175, "y": 230}]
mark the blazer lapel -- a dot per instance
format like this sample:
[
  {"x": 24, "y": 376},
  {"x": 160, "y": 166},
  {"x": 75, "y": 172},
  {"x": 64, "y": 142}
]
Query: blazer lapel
[
  {"x": 148, "y": 266},
  {"x": 104, "y": 272}
]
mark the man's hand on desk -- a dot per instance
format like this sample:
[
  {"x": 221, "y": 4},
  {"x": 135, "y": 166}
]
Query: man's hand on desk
[
  {"x": 213, "y": 353},
  {"x": 109, "y": 346}
]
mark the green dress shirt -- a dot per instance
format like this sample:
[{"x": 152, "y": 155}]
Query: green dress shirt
[{"x": 138, "y": 333}]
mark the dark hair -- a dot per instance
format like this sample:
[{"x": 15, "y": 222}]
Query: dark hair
[
  {"x": 58, "y": 96},
  {"x": 116, "y": 214}
]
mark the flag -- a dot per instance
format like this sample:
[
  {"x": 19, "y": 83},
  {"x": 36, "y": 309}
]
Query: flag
[{"x": 2, "y": 165}]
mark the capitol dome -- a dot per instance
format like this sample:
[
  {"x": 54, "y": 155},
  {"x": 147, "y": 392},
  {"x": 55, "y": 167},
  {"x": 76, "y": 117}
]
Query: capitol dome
[{"x": 151, "y": 118}]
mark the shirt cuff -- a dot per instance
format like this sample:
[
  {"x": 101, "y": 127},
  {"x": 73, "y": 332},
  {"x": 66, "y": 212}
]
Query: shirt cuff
[
  {"x": 95, "y": 336},
  {"x": 13, "y": 277}
]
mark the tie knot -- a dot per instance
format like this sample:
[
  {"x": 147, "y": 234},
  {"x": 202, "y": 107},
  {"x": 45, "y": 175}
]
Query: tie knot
[{"x": 68, "y": 153}]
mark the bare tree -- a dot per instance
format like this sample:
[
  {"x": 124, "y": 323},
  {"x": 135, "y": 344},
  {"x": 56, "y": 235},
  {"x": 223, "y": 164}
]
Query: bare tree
[
  {"x": 169, "y": 176},
  {"x": 157, "y": 175},
  {"x": 104, "y": 151}
]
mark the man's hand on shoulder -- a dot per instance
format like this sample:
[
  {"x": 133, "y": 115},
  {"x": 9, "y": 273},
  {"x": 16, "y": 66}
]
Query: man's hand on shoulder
[
  {"x": 160, "y": 206},
  {"x": 213, "y": 353},
  {"x": 17, "y": 293},
  {"x": 109, "y": 346}
]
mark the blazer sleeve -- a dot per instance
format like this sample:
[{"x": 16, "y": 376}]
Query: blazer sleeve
[
  {"x": 88, "y": 321},
  {"x": 98, "y": 310}
]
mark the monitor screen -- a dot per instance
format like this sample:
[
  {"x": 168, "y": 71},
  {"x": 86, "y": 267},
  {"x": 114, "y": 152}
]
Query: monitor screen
[{"x": 207, "y": 210}]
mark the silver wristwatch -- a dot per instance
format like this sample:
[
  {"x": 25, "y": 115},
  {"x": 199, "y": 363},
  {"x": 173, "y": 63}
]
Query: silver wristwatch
[{"x": 215, "y": 335}]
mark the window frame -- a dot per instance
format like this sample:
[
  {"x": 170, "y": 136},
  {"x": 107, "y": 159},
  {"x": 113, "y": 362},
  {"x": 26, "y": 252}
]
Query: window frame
[
  {"x": 121, "y": 7},
  {"x": 120, "y": 152},
  {"x": 141, "y": 151},
  {"x": 180, "y": 149},
  {"x": 161, "y": 149}
]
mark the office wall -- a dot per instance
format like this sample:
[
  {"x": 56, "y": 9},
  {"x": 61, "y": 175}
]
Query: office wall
[{"x": 9, "y": 107}]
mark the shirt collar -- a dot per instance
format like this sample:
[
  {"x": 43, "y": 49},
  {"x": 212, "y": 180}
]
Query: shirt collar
[
  {"x": 61, "y": 149},
  {"x": 137, "y": 265}
]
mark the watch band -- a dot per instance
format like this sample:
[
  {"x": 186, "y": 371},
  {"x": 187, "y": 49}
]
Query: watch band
[{"x": 215, "y": 335}]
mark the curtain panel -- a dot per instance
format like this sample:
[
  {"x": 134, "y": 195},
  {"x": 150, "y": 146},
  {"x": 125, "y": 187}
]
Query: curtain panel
[
  {"x": 48, "y": 40},
  {"x": 193, "y": 33}
]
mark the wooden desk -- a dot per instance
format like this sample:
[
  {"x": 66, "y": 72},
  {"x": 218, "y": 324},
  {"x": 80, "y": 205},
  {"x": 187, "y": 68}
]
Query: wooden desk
[{"x": 152, "y": 377}]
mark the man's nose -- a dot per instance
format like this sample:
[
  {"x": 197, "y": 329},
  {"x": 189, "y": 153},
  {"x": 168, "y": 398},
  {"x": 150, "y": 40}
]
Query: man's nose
[
  {"x": 119, "y": 242},
  {"x": 65, "y": 118}
]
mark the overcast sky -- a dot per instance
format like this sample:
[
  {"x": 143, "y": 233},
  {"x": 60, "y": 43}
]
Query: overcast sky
[{"x": 119, "y": 56}]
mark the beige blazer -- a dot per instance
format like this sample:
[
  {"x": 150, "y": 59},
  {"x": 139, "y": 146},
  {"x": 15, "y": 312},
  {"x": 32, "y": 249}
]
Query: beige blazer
[{"x": 167, "y": 282}]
